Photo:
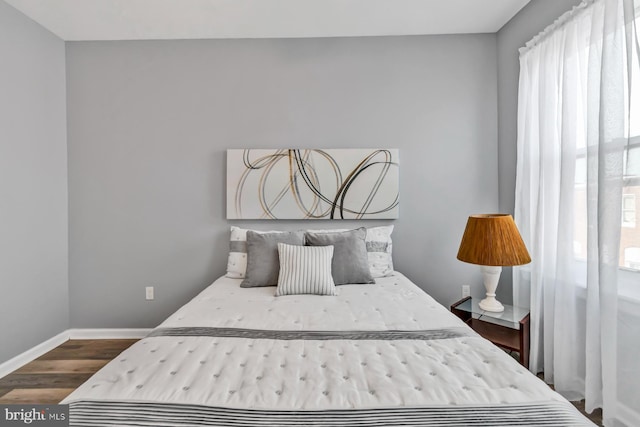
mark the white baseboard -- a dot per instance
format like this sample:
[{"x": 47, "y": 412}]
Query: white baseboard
[
  {"x": 33, "y": 353},
  {"x": 74, "y": 334},
  {"x": 103, "y": 334}
]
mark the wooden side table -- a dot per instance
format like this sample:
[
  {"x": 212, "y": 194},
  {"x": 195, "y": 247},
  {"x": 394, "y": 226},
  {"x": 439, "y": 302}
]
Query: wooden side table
[{"x": 508, "y": 329}]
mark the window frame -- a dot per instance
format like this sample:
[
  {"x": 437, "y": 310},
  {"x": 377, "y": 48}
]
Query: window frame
[
  {"x": 629, "y": 274},
  {"x": 625, "y": 223}
]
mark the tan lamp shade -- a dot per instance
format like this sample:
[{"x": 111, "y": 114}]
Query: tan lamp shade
[{"x": 493, "y": 240}]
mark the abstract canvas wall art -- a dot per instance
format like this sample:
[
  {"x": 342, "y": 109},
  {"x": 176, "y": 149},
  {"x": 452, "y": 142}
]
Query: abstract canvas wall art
[{"x": 312, "y": 184}]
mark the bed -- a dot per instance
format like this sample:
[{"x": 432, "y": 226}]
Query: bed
[
  {"x": 376, "y": 351},
  {"x": 385, "y": 354}
]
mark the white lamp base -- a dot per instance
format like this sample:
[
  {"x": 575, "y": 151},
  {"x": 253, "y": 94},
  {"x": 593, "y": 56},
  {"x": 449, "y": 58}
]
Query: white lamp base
[{"x": 491, "y": 276}]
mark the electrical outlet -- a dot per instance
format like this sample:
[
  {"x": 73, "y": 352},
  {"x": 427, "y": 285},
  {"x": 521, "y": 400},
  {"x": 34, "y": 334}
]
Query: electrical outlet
[
  {"x": 149, "y": 293},
  {"x": 466, "y": 291}
]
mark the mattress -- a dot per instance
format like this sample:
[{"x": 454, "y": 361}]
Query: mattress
[{"x": 375, "y": 355}]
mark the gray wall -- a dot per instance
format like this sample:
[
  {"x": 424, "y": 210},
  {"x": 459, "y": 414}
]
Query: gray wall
[
  {"x": 34, "y": 293},
  {"x": 531, "y": 20},
  {"x": 149, "y": 123}
]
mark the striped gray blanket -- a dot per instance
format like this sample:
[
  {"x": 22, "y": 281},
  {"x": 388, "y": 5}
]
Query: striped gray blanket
[
  {"x": 434, "y": 334},
  {"x": 147, "y": 414}
]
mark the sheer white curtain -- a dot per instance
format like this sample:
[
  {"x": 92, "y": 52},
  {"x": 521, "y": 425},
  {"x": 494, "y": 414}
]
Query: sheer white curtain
[{"x": 578, "y": 119}]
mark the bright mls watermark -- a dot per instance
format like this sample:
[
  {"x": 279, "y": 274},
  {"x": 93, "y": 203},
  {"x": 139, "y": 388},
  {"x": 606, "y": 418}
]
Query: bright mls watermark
[{"x": 35, "y": 415}]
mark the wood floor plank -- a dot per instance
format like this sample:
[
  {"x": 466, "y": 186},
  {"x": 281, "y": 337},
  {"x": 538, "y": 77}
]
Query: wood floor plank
[
  {"x": 4, "y": 391},
  {"x": 88, "y": 349},
  {"x": 62, "y": 366},
  {"x": 595, "y": 416},
  {"x": 42, "y": 396},
  {"x": 43, "y": 381}
]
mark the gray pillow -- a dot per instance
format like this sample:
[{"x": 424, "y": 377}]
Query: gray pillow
[
  {"x": 350, "y": 262},
  {"x": 263, "y": 263}
]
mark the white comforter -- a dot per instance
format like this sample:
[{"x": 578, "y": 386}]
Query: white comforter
[{"x": 316, "y": 375}]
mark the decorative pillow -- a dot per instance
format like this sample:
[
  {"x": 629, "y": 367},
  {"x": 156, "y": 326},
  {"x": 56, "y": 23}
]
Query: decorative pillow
[
  {"x": 237, "y": 260},
  {"x": 305, "y": 270},
  {"x": 379, "y": 250},
  {"x": 350, "y": 262},
  {"x": 263, "y": 266}
]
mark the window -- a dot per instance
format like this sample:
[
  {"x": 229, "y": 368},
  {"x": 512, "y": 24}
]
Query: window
[
  {"x": 629, "y": 210},
  {"x": 630, "y": 230},
  {"x": 632, "y": 258},
  {"x": 629, "y": 257}
]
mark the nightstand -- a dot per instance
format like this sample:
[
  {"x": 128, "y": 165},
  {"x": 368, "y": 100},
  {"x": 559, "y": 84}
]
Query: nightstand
[{"x": 508, "y": 329}]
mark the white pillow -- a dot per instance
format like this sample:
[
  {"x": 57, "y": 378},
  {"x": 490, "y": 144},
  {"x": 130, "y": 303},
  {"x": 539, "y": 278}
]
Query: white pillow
[
  {"x": 379, "y": 250},
  {"x": 378, "y": 240},
  {"x": 305, "y": 270}
]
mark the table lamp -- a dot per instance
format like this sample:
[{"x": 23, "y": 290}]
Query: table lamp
[{"x": 492, "y": 241}]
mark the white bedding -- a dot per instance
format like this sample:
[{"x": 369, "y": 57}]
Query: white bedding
[{"x": 278, "y": 372}]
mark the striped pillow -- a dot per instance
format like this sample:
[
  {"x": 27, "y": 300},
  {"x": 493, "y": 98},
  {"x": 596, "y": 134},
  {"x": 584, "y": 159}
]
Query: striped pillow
[{"x": 305, "y": 270}]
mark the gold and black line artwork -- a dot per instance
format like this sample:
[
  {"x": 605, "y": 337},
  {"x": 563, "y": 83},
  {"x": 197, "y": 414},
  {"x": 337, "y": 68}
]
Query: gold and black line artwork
[{"x": 312, "y": 184}]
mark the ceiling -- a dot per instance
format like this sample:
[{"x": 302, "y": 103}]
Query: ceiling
[{"x": 207, "y": 19}]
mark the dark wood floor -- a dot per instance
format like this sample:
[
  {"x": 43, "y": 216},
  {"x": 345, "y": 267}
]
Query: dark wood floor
[{"x": 52, "y": 377}]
